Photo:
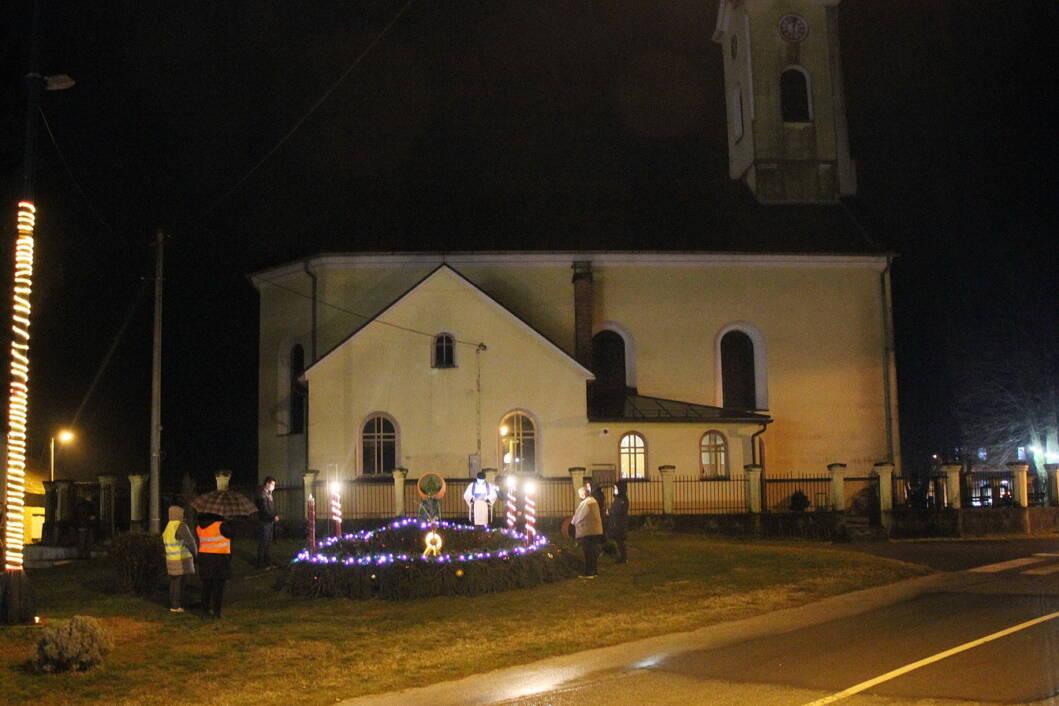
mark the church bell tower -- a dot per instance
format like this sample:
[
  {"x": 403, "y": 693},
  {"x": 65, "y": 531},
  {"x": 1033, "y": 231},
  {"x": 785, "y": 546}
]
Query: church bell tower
[{"x": 787, "y": 136}]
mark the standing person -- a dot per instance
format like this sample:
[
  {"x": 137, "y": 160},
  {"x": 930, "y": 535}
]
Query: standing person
[
  {"x": 588, "y": 529},
  {"x": 480, "y": 496},
  {"x": 618, "y": 520},
  {"x": 215, "y": 560},
  {"x": 180, "y": 554},
  {"x": 266, "y": 522}
]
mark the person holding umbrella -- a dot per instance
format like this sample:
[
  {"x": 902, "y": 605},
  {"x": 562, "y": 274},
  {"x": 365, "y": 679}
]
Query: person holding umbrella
[
  {"x": 215, "y": 542},
  {"x": 215, "y": 560}
]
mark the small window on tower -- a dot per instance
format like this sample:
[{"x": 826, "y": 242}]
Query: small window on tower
[
  {"x": 737, "y": 113},
  {"x": 794, "y": 96}
]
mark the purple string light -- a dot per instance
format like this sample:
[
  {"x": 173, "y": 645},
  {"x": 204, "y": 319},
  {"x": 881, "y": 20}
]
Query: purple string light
[{"x": 534, "y": 543}]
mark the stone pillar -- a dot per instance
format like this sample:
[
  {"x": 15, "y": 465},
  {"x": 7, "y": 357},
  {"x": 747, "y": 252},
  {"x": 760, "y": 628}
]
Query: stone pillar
[
  {"x": 667, "y": 473},
  {"x": 399, "y": 474},
  {"x": 885, "y": 471},
  {"x": 1052, "y": 469},
  {"x": 1019, "y": 489},
  {"x": 577, "y": 480},
  {"x": 106, "y": 503},
  {"x": 753, "y": 486},
  {"x": 49, "y": 534},
  {"x": 953, "y": 487},
  {"x": 309, "y": 486},
  {"x": 136, "y": 505},
  {"x": 64, "y": 500},
  {"x": 838, "y": 486},
  {"x": 222, "y": 477}
]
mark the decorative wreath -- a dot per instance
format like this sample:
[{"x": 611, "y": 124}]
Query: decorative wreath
[{"x": 431, "y": 485}]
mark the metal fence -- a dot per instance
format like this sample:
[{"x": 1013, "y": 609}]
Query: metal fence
[
  {"x": 710, "y": 497},
  {"x": 778, "y": 490},
  {"x": 645, "y": 497},
  {"x": 988, "y": 489}
]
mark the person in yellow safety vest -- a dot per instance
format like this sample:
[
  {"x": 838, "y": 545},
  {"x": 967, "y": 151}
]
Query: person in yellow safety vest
[
  {"x": 180, "y": 554},
  {"x": 215, "y": 560}
]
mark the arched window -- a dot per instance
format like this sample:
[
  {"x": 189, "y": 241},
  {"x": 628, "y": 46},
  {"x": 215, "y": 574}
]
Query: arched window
[
  {"x": 632, "y": 453},
  {"x": 378, "y": 446},
  {"x": 737, "y": 371},
  {"x": 444, "y": 351},
  {"x": 713, "y": 455},
  {"x": 297, "y": 391},
  {"x": 518, "y": 444},
  {"x": 608, "y": 359},
  {"x": 794, "y": 96}
]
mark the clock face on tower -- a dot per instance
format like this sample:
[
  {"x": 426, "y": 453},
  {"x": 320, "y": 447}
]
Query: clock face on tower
[{"x": 793, "y": 28}]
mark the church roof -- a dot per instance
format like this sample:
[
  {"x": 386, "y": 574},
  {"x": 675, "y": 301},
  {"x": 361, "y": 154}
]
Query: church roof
[
  {"x": 636, "y": 407},
  {"x": 442, "y": 270}
]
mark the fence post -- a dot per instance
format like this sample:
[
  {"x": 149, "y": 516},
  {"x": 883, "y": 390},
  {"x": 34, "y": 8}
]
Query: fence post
[
  {"x": 1052, "y": 469},
  {"x": 838, "y": 486},
  {"x": 308, "y": 484},
  {"x": 577, "y": 480},
  {"x": 667, "y": 488},
  {"x": 884, "y": 470},
  {"x": 953, "y": 491},
  {"x": 1019, "y": 470},
  {"x": 399, "y": 474},
  {"x": 106, "y": 503},
  {"x": 753, "y": 486},
  {"x": 136, "y": 481},
  {"x": 222, "y": 477}
]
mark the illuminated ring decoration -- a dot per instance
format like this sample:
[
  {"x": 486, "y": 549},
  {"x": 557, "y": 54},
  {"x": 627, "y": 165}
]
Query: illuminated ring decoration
[{"x": 327, "y": 552}]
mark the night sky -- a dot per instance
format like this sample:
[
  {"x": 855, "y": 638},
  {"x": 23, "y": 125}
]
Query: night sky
[{"x": 492, "y": 124}]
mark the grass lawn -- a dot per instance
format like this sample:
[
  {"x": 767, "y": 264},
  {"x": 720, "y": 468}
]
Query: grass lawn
[{"x": 271, "y": 648}]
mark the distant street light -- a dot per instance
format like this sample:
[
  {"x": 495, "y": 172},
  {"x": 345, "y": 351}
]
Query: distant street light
[{"x": 65, "y": 437}]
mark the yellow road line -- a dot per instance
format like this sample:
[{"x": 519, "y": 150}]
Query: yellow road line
[{"x": 863, "y": 686}]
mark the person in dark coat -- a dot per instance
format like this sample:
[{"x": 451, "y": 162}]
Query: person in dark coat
[
  {"x": 618, "y": 520},
  {"x": 215, "y": 560},
  {"x": 266, "y": 522}
]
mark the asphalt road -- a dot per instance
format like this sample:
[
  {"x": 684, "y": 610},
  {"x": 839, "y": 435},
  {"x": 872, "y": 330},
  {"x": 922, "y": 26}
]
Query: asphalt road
[
  {"x": 1011, "y": 586},
  {"x": 984, "y": 631}
]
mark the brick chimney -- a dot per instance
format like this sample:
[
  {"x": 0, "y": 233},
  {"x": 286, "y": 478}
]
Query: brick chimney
[{"x": 583, "y": 313}]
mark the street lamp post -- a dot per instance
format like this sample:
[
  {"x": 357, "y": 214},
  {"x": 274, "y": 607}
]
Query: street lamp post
[{"x": 65, "y": 436}]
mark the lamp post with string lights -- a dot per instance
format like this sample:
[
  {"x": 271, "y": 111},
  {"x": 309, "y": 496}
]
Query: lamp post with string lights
[{"x": 17, "y": 604}]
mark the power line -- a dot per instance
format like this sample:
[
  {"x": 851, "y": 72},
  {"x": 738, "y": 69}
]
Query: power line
[
  {"x": 70, "y": 173},
  {"x": 312, "y": 109},
  {"x": 371, "y": 319}
]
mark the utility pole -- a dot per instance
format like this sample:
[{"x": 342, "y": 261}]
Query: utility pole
[{"x": 156, "y": 391}]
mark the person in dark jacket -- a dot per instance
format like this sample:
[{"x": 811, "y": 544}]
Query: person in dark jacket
[
  {"x": 215, "y": 560},
  {"x": 266, "y": 522},
  {"x": 618, "y": 520}
]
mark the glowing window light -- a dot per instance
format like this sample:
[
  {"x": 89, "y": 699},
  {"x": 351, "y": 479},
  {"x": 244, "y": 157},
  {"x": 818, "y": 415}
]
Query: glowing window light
[{"x": 18, "y": 390}]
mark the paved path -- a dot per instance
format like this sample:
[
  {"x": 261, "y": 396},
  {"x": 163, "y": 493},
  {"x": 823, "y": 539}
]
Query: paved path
[{"x": 801, "y": 655}]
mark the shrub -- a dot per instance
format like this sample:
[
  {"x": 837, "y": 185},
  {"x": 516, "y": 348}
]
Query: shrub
[
  {"x": 79, "y": 643},
  {"x": 137, "y": 562},
  {"x": 799, "y": 501}
]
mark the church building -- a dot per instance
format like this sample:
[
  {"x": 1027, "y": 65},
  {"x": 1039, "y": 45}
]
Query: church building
[{"x": 762, "y": 335}]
